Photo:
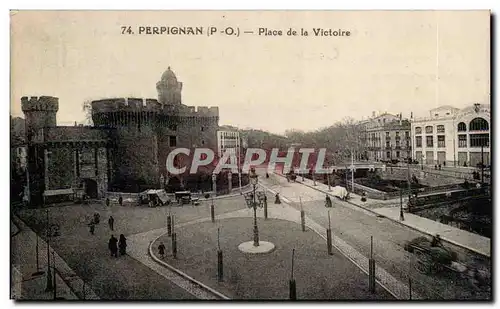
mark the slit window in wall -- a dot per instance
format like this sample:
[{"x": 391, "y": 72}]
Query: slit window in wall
[{"x": 173, "y": 141}]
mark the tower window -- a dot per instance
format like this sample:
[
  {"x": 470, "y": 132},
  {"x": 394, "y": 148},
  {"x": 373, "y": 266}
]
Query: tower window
[{"x": 173, "y": 141}]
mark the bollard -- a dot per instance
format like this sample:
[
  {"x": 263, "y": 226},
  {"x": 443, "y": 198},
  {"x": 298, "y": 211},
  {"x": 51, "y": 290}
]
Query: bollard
[
  {"x": 174, "y": 245},
  {"x": 371, "y": 275},
  {"x": 212, "y": 212},
  {"x": 293, "y": 290},
  {"x": 329, "y": 241},
  {"x": 220, "y": 269},
  {"x": 371, "y": 269},
  {"x": 303, "y": 220},
  {"x": 409, "y": 287},
  {"x": 169, "y": 226},
  {"x": 265, "y": 207}
]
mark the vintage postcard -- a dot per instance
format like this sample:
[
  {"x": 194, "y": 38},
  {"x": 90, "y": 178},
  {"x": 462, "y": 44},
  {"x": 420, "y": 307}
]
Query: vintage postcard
[{"x": 250, "y": 155}]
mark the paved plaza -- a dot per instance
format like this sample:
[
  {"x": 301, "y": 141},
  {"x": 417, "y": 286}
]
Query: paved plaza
[
  {"x": 266, "y": 276},
  {"x": 139, "y": 276}
]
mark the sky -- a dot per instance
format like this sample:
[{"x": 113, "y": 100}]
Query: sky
[{"x": 396, "y": 62}]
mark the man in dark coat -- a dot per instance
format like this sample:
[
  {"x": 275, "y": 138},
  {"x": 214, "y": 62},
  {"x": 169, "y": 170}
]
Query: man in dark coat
[
  {"x": 111, "y": 222},
  {"x": 112, "y": 245}
]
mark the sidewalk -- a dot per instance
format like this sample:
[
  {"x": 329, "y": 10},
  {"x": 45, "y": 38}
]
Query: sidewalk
[
  {"x": 25, "y": 286},
  {"x": 461, "y": 238}
]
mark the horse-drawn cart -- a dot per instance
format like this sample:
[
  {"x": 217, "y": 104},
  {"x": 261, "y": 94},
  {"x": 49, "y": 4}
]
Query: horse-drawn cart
[{"x": 432, "y": 258}]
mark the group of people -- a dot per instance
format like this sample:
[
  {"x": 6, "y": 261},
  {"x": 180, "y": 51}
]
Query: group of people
[
  {"x": 96, "y": 218},
  {"x": 115, "y": 244}
]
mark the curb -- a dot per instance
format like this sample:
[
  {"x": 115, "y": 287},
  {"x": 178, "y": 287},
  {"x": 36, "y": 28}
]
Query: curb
[
  {"x": 401, "y": 223},
  {"x": 182, "y": 274}
]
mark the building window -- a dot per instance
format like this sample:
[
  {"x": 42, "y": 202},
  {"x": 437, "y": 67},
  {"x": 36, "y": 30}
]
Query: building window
[
  {"x": 398, "y": 144},
  {"x": 388, "y": 154},
  {"x": 388, "y": 144},
  {"x": 397, "y": 154},
  {"x": 202, "y": 129},
  {"x": 173, "y": 127},
  {"x": 428, "y": 129},
  {"x": 429, "y": 141},
  {"x": 479, "y": 124},
  {"x": 418, "y": 141},
  {"x": 440, "y": 129},
  {"x": 202, "y": 142},
  {"x": 386, "y": 134},
  {"x": 478, "y": 140},
  {"x": 418, "y": 130},
  {"x": 441, "y": 142},
  {"x": 462, "y": 141},
  {"x": 173, "y": 141},
  {"x": 436, "y": 115},
  {"x": 397, "y": 134},
  {"x": 462, "y": 127},
  {"x": 407, "y": 135}
]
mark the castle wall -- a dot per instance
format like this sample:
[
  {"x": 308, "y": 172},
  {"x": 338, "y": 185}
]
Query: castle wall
[
  {"x": 146, "y": 132},
  {"x": 60, "y": 168},
  {"x": 136, "y": 158}
]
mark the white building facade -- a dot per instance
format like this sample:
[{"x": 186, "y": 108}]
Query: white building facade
[
  {"x": 386, "y": 137},
  {"x": 453, "y": 137},
  {"x": 228, "y": 141}
]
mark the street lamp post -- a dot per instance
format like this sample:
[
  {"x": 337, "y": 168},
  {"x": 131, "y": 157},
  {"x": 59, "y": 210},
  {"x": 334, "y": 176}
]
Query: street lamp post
[
  {"x": 252, "y": 202},
  {"x": 49, "y": 286}
]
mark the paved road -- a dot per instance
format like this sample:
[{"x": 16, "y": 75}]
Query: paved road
[
  {"x": 124, "y": 278},
  {"x": 355, "y": 227}
]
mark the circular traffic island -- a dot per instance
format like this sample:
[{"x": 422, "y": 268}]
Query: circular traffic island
[{"x": 263, "y": 247}]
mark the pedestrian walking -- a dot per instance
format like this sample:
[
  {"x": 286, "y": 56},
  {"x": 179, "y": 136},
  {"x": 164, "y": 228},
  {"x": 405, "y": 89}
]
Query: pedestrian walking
[
  {"x": 92, "y": 227},
  {"x": 161, "y": 250},
  {"x": 277, "y": 199},
  {"x": 112, "y": 245},
  {"x": 97, "y": 218},
  {"x": 107, "y": 202},
  {"x": 120, "y": 201},
  {"x": 111, "y": 222},
  {"x": 122, "y": 244},
  {"x": 328, "y": 201}
]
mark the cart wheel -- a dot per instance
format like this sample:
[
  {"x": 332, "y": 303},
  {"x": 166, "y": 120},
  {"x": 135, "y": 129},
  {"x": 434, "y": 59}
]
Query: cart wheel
[
  {"x": 438, "y": 267},
  {"x": 423, "y": 264}
]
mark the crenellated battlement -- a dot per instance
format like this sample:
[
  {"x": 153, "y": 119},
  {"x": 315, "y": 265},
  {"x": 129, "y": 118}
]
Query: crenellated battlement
[
  {"x": 112, "y": 105},
  {"x": 203, "y": 111},
  {"x": 43, "y": 103}
]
